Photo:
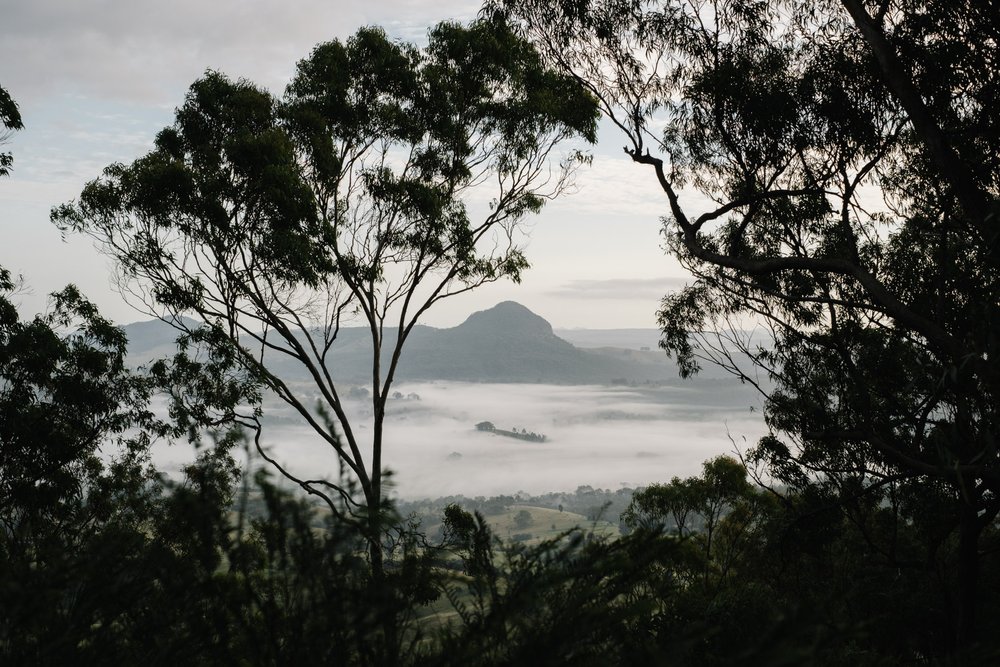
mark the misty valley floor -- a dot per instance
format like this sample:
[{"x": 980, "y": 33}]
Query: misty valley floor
[{"x": 602, "y": 436}]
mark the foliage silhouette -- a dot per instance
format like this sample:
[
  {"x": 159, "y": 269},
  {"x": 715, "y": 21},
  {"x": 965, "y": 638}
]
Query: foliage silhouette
[
  {"x": 851, "y": 153},
  {"x": 10, "y": 120}
]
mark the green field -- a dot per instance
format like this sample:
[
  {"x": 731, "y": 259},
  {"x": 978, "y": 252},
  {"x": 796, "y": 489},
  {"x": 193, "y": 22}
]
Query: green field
[{"x": 545, "y": 523}]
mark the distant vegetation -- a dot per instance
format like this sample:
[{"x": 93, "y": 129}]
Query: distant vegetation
[{"x": 520, "y": 434}]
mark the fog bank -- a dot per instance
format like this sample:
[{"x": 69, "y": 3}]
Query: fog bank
[{"x": 600, "y": 436}]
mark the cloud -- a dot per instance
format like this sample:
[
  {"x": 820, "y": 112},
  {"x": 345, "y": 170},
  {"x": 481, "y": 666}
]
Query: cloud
[
  {"x": 145, "y": 50},
  {"x": 644, "y": 289},
  {"x": 616, "y": 186}
]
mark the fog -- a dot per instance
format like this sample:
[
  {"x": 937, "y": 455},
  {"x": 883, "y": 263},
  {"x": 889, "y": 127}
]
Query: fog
[{"x": 600, "y": 436}]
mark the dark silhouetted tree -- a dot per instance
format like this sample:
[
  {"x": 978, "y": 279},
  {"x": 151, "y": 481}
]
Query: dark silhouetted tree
[
  {"x": 98, "y": 552},
  {"x": 852, "y": 155},
  {"x": 274, "y": 220}
]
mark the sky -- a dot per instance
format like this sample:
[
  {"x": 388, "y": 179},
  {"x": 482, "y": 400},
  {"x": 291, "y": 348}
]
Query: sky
[{"x": 96, "y": 79}]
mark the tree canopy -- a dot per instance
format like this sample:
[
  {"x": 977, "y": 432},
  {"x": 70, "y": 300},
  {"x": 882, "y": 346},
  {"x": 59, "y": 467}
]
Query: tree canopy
[{"x": 850, "y": 150}]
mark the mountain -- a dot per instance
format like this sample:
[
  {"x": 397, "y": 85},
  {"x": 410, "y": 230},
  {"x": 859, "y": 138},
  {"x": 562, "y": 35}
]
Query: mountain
[
  {"x": 506, "y": 343},
  {"x": 509, "y": 343}
]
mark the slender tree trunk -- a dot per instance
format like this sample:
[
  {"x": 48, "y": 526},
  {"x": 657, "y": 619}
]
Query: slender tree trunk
[
  {"x": 968, "y": 577},
  {"x": 382, "y": 590},
  {"x": 383, "y": 596}
]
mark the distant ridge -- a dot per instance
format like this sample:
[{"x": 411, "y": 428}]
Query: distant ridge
[
  {"x": 633, "y": 339},
  {"x": 505, "y": 343}
]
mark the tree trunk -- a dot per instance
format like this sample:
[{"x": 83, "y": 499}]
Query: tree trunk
[
  {"x": 382, "y": 591},
  {"x": 968, "y": 577}
]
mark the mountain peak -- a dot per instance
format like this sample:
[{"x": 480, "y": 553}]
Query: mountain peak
[{"x": 508, "y": 317}]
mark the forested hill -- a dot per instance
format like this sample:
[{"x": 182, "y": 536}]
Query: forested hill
[{"x": 506, "y": 343}]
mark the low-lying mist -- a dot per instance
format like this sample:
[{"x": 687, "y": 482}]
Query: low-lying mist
[{"x": 602, "y": 436}]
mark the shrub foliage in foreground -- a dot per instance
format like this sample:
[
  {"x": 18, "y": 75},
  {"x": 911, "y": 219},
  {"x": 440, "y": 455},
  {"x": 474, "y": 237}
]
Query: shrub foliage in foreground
[{"x": 102, "y": 560}]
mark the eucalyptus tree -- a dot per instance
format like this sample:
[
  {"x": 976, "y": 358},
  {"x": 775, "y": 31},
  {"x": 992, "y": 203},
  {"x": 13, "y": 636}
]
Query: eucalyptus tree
[
  {"x": 849, "y": 153},
  {"x": 387, "y": 179}
]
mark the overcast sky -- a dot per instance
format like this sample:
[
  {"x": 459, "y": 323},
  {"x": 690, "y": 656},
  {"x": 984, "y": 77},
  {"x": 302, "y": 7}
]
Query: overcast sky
[{"x": 96, "y": 79}]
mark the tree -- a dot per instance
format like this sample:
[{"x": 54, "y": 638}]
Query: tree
[
  {"x": 60, "y": 396},
  {"x": 721, "y": 509},
  {"x": 64, "y": 390},
  {"x": 851, "y": 155},
  {"x": 354, "y": 196},
  {"x": 667, "y": 506},
  {"x": 10, "y": 119},
  {"x": 98, "y": 552},
  {"x": 104, "y": 559},
  {"x": 578, "y": 597}
]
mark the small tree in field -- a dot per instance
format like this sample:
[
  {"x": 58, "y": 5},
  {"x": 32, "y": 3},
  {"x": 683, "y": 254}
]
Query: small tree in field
[{"x": 275, "y": 221}]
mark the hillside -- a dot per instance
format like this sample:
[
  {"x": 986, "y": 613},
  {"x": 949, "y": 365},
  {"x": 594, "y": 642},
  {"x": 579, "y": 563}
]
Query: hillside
[{"x": 506, "y": 343}]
